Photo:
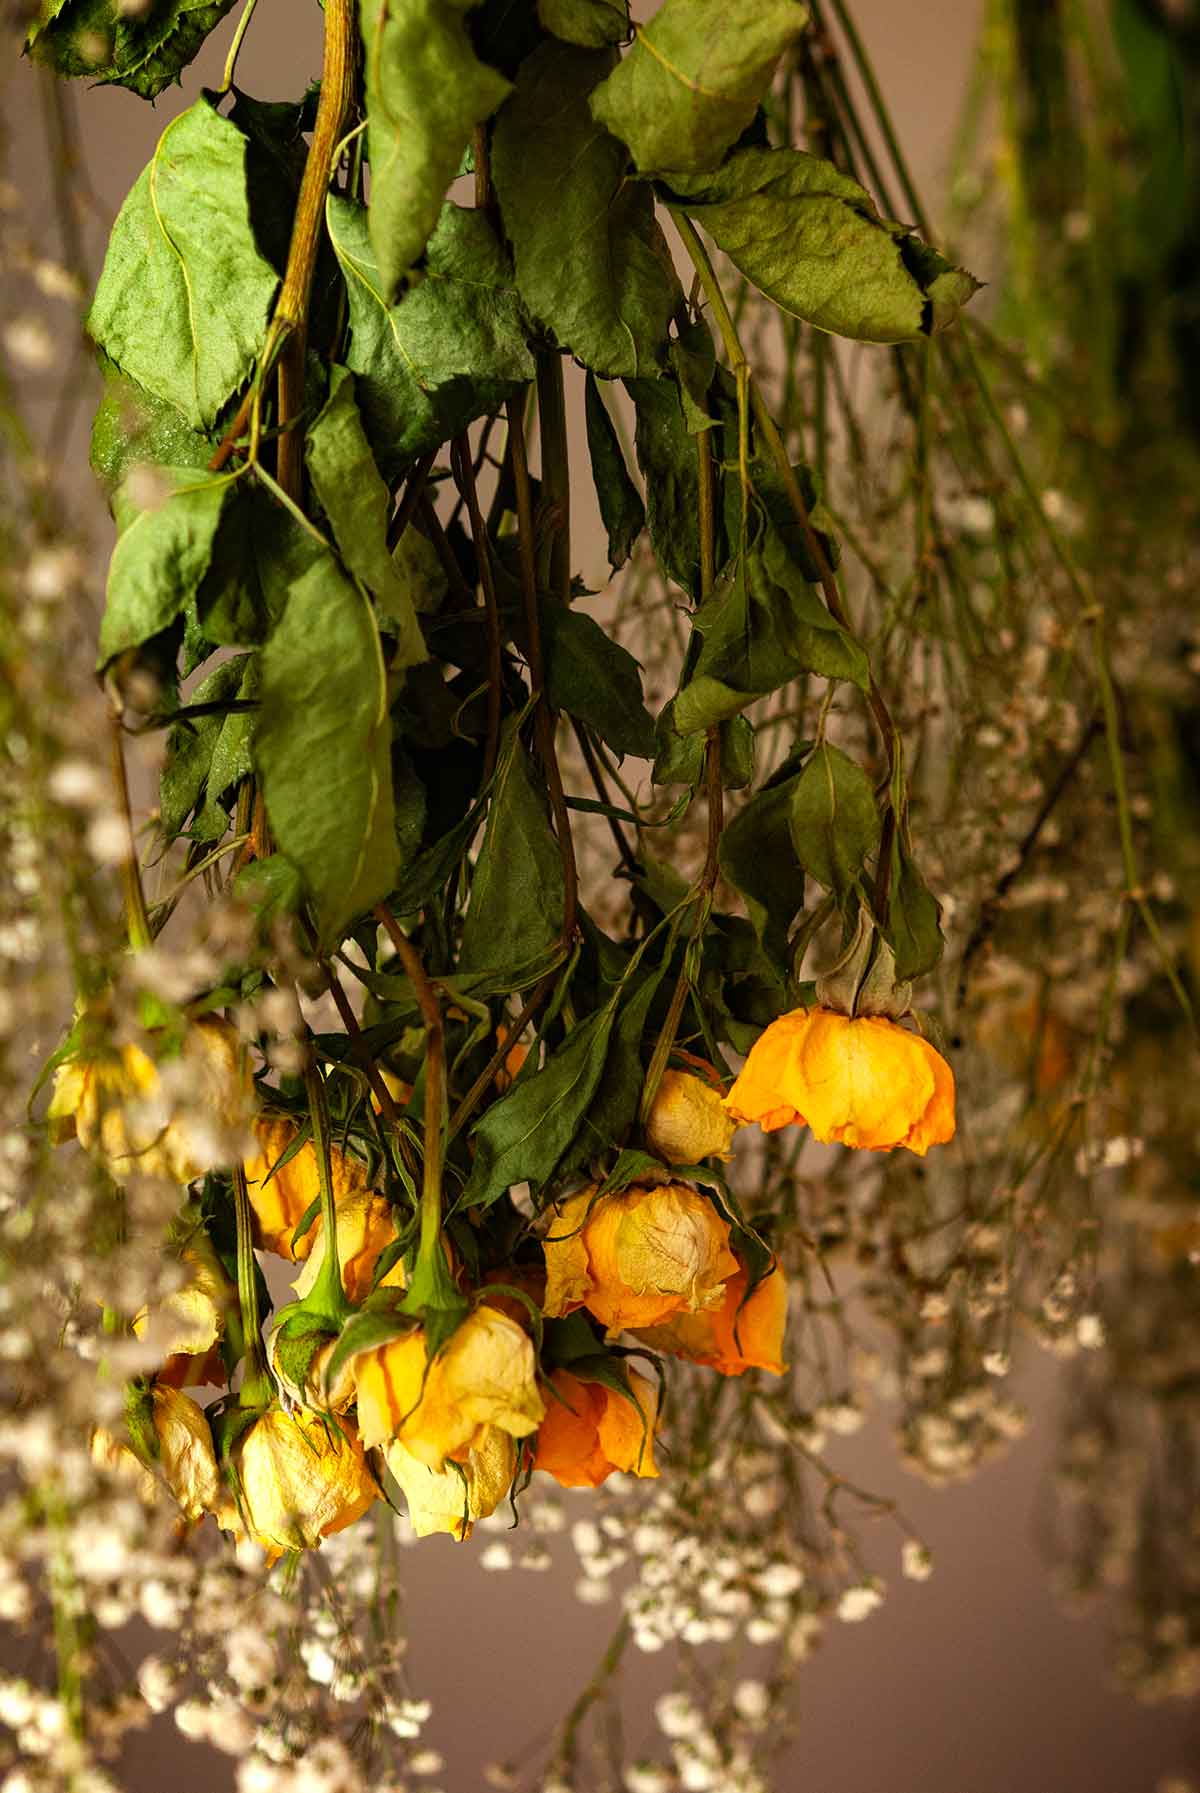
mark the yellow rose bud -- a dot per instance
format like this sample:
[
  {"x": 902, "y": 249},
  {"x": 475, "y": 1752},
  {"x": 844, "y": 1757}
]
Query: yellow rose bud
[
  {"x": 636, "y": 1258},
  {"x": 299, "y": 1479},
  {"x": 135, "y": 1119},
  {"x": 280, "y": 1197},
  {"x": 862, "y": 1081},
  {"x": 733, "y": 1337},
  {"x": 688, "y": 1120},
  {"x": 485, "y": 1375},
  {"x": 590, "y": 1430},
  {"x": 365, "y": 1229},
  {"x": 467, "y": 1489},
  {"x": 189, "y": 1322},
  {"x": 186, "y": 1462}
]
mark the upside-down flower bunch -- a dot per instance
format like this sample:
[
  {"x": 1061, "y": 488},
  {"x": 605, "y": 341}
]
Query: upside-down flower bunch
[{"x": 456, "y": 1116}]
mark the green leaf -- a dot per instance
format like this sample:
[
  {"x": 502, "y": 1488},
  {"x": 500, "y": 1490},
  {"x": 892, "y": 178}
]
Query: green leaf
[
  {"x": 621, "y": 507},
  {"x": 614, "y": 1105},
  {"x": 426, "y": 90},
  {"x": 516, "y": 910},
  {"x": 420, "y": 573},
  {"x": 914, "y": 916},
  {"x": 448, "y": 352},
  {"x": 834, "y": 820},
  {"x": 133, "y": 426},
  {"x": 693, "y": 356},
  {"x": 142, "y": 48},
  {"x": 592, "y": 264},
  {"x": 183, "y": 254},
  {"x": 323, "y": 745},
  {"x": 811, "y": 239},
  {"x": 258, "y": 547},
  {"x": 208, "y": 756},
  {"x": 589, "y": 23},
  {"x": 756, "y": 856},
  {"x": 431, "y": 869},
  {"x": 168, "y": 519},
  {"x": 692, "y": 82},
  {"x": 271, "y": 887},
  {"x": 679, "y": 759},
  {"x": 347, "y": 482},
  {"x": 522, "y": 1137},
  {"x": 593, "y": 678},
  {"x": 666, "y": 454},
  {"x": 756, "y": 637}
]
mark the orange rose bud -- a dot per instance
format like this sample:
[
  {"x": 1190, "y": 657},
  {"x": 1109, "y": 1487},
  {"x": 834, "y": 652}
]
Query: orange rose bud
[
  {"x": 861, "y": 1081},
  {"x": 592, "y": 1430},
  {"x": 281, "y": 1200},
  {"x": 739, "y": 1335},
  {"x": 638, "y": 1257}
]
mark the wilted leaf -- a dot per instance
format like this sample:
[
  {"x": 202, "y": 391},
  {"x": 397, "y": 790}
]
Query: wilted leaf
[
  {"x": 516, "y": 910},
  {"x": 667, "y": 456},
  {"x": 447, "y": 352},
  {"x": 167, "y": 520},
  {"x": 133, "y": 426},
  {"x": 190, "y": 745},
  {"x": 348, "y": 484},
  {"x": 811, "y": 239},
  {"x": 757, "y": 857},
  {"x": 589, "y": 23},
  {"x": 693, "y": 80},
  {"x": 614, "y": 1104},
  {"x": 914, "y": 916},
  {"x": 426, "y": 91},
  {"x": 591, "y": 262},
  {"x": 834, "y": 820},
  {"x": 142, "y": 48},
  {"x": 621, "y": 507},
  {"x": 523, "y": 1136},
  {"x": 183, "y": 254},
  {"x": 757, "y": 636},
  {"x": 593, "y": 678},
  {"x": 323, "y": 745}
]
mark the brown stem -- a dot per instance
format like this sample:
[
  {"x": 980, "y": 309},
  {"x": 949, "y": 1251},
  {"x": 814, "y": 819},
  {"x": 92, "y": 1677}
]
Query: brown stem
[
  {"x": 359, "y": 1048},
  {"x": 628, "y": 856},
  {"x": 291, "y": 311},
  {"x": 444, "y": 552},
  {"x": 464, "y": 475},
  {"x": 513, "y": 1034},
  {"x": 413, "y": 492}
]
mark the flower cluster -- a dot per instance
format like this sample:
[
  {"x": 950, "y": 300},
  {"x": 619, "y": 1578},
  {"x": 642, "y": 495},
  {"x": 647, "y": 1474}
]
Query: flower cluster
[{"x": 454, "y": 1400}]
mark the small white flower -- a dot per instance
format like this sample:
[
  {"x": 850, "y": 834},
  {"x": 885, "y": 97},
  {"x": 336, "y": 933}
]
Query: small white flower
[
  {"x": 1089, "y": 1330},
  {"x": 779, "y": 1580},
  {"x": 997, "y": 1363},
  {"x": 497, "y": 1556},
  {"x": 751, "y": 1701},
  {"x": 676, "y": 1714},
  {"x": 915, "y": 1560},
  {"x": 859, "y": 1602}
]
